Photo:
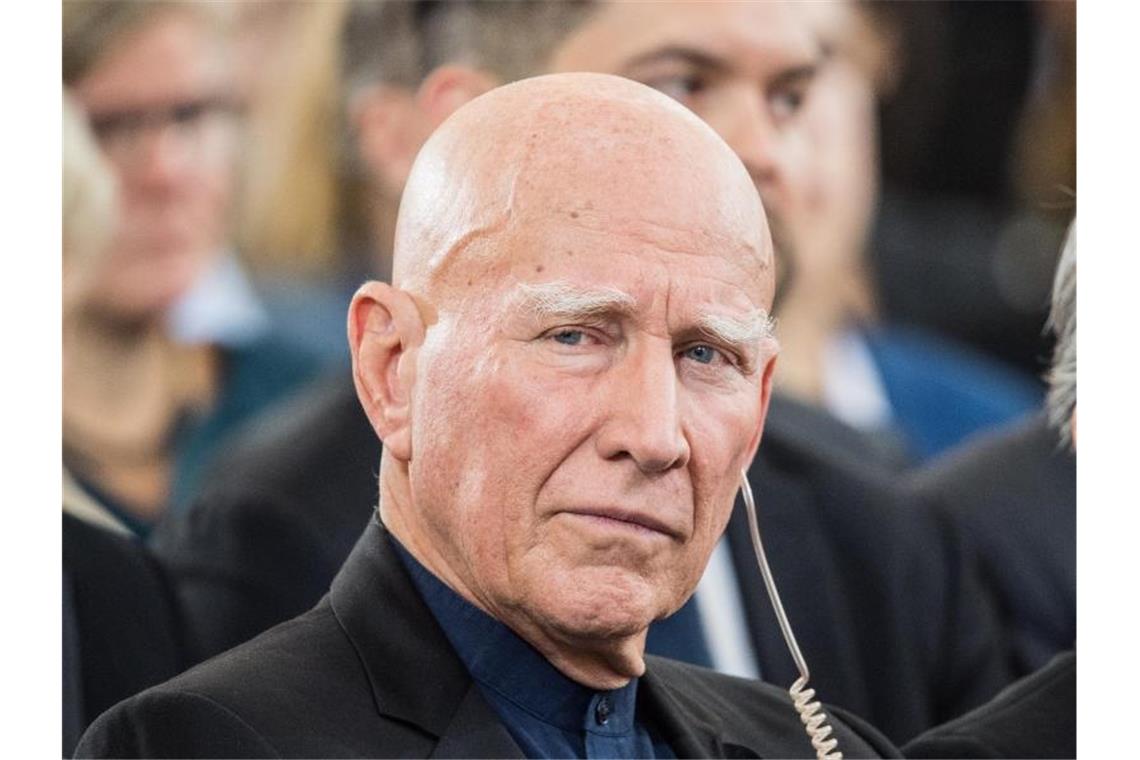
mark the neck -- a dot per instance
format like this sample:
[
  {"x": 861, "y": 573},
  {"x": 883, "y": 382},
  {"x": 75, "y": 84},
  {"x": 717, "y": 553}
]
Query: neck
[
  {"x": 124, "y": 385},
  {"x": 808, "y": 322},
  {"x": 108, "y": 362},
  {"x": 596, "y": 662}
]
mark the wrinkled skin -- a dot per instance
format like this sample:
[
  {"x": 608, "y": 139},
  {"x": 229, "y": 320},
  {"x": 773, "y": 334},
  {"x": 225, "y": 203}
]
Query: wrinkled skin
[{"x": 569, "y": 469}]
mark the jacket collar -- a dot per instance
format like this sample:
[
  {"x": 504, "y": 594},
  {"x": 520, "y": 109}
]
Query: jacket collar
[
  {"x": 415, "y": 675},
  {"x": 689, "y": 733}
]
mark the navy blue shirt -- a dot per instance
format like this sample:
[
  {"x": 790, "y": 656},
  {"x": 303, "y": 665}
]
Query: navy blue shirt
[{"x": 546, "y": 713}]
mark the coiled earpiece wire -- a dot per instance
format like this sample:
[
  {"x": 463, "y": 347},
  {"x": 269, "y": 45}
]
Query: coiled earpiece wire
[{"x": 811, "y": 713}]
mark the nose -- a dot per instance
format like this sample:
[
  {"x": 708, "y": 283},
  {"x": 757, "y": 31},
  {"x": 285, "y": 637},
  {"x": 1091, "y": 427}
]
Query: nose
[
  {"x": 644, "y": 421},
  {"x": 162, "y": 157}
]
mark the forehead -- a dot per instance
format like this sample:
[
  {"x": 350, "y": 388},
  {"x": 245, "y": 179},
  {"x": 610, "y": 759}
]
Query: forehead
[
  {"x": 172, "y": 56},
  {"x": 760, "y": 38},
  {"x": 685, "y": 271}
]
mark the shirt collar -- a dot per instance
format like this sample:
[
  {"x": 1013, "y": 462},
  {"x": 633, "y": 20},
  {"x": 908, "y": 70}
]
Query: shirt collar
[
  {"x": 220, "y": 308},
  {"x": 502, "y": 662}
]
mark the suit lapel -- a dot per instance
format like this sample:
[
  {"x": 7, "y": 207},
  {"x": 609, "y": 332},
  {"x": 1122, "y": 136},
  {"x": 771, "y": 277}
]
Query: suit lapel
[
  {"x": 415, "y": 675},
  {"x": 688, "y": 733},
  {"x": 476, "y": 731}
]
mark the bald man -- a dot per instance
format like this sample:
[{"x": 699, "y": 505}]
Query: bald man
[
  {"x": 887, "y": 608},
  {"x": 569, "y": 374}
]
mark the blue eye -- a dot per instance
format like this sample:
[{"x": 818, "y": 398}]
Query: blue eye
[
  {"x": 702, "y": 354},
  {"x": 569, "y": 337}
]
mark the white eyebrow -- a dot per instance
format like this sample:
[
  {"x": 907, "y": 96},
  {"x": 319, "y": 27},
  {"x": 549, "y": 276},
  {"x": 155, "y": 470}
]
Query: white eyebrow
[
  {"x": 562, "y": 300},
  {"x": 738, "y": 331}
]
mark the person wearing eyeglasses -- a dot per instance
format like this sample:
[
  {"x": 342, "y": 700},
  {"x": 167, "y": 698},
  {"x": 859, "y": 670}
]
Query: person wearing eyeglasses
[{"x": 170, "y": 348}]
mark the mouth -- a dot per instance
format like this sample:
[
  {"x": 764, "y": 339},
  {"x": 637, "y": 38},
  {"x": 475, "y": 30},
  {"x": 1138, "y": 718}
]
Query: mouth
[{"x": 616, "y": 518}]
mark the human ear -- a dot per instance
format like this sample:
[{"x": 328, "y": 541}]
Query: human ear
[
  {"x": 385, "y": 330},
  {"x": 448, "y": 87},
  {"x": 390, "y": 130}
]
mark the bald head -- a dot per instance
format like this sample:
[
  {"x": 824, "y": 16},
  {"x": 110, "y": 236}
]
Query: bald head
[
  {"x": 593, "y": 151},
  {"x": 576, "y": 340}
]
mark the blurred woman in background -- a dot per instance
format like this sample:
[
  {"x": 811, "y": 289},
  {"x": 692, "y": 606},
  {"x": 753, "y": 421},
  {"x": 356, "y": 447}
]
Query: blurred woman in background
[
  {"x": 120, "y": 631},
  {"x": 168, "y": 349}
]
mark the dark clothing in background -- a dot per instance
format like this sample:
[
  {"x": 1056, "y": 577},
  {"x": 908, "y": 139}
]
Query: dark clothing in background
[
  {"x": 884, "y": 598},
  {"x": 276, "y": 518},
  {"x": 1013, "y": 494},
  {"x": 890, "y": 618},
  {"x": 941, "y": 392},
  {"x": 369, "y": 672},
  {"x": 120, "y": 625},
  {"x": 1035, "y": 717},
  {"x": 974, "y": 270},
  {"x": 254, "y": 376}
]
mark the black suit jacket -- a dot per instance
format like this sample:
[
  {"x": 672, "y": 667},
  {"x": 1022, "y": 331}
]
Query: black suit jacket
[
  {"x": 369, "y": 672},
  {"x": 1035, "y": 717},
  {"x": 887, "y": 611},
  {"x": 120, "y": 624},
  {"x": 1013, "y": 495},
  {"x": 884, "y": 597}
]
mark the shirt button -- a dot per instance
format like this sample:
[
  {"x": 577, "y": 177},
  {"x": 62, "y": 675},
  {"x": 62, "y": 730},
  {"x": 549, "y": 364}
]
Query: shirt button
[{"x": 602, "y": 711}]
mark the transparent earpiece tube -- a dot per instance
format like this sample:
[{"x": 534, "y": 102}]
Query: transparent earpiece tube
[{"x": 811, "y": 712}]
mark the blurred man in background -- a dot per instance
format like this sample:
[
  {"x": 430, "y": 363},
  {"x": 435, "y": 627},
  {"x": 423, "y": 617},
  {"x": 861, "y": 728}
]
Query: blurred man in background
[
  {"x": 908, "y": 387},
  {"x": 1028, "y": 541},
  {"x": 870, "y": 584},
  {"x": 1014, "y": 493}
]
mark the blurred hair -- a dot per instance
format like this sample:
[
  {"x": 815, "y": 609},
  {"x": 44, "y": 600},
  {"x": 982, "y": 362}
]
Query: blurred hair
[
  {"x": 1061, "y": 400},
  {"x": 89, "y": 201},
  {"x": 872, "y": 43},
  {"x": 400, "y": 42},
  {"x": 307, "y": 201},
  {"x": 289, "y": 200},
  {"x": 92, "y": 28}
]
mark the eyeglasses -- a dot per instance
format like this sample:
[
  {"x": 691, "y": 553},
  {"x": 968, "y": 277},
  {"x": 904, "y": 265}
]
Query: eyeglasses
[{"x": 202, "y": 128}]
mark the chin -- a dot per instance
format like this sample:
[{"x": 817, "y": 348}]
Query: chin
[
  {"x": 603, "y": 603},
  {"x": 148, "y": 289}
]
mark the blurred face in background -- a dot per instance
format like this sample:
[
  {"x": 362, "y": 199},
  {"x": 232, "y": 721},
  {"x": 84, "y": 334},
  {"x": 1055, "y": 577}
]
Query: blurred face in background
[
  {"x": 745, "y": 68},
  {"x": 159, "y": 105},
  {"x": 831, "y": 226}
]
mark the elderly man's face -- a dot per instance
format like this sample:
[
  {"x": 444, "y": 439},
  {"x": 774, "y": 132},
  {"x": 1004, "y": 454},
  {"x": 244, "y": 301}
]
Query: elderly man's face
[
  {"x": 744, "y": 68},
  {"x": 585, "y": 415}
]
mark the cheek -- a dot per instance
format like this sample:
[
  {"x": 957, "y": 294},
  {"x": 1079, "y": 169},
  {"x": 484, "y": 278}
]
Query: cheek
[
  {"x": 719, "y": 444},
  {"x": 481, "y": 450},
  {"x": 205, "y": 204}
]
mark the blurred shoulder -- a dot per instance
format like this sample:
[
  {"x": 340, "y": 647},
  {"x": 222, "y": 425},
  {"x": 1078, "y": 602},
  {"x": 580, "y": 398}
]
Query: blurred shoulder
[
  {"x": 1034, "y": 717},
  {"x": 282, "y": 693},
  {"x": 756, "y": 715}
]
